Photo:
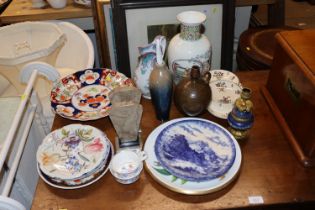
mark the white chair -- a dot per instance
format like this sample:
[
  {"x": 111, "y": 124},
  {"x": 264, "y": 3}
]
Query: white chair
[{"x": 76, "y": 54}]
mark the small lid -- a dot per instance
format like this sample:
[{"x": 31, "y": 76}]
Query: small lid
[{"x": 246, "y": 93}]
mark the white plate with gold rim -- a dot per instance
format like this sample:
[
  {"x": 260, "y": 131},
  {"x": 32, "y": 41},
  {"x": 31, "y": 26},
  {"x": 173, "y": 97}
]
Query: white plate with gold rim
[
  {"x": 223, "y": 96},
  {"x": 220, "y": 74},
  {"x": 165, "y": 178}
]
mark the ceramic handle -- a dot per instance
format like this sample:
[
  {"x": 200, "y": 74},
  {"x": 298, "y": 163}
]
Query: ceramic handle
[
  {"x": 160, "y": 43},
  {"x": 142, "y": 155}
]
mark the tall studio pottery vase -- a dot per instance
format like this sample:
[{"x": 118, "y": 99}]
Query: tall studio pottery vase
[
  {"x": 189, "y": 47},
  {"x": 161, "y": 88}
]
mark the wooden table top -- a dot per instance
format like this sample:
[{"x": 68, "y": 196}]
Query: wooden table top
[
  {"x": 21, "y": 10},
  {"x": 269, "y": 169}
]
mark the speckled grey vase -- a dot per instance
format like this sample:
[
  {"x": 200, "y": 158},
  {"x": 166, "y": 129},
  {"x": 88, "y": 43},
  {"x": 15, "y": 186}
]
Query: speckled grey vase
[{"x": 161, "y": 88}]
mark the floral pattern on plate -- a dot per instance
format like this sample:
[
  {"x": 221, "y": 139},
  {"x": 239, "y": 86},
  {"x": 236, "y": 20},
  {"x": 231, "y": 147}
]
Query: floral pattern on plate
[
  {"x": 219, "y": 74},
  {"x": 224, "y": 94},
  {"x": 195, "y": 150},
  {"x": 174, "y": 183},
  {"x": 84, "y": 94},
  {"x": 80, "y": 182},
  {"x": 72, "y": 152}
]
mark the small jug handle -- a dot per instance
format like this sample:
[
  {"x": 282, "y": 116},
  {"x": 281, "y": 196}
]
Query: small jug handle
[
  {"x": 206, "y": 77},
  {"x": 142, "y": 155}
]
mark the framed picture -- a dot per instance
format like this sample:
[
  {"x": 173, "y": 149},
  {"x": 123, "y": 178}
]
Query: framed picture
[{"x": 136, "y": 23}]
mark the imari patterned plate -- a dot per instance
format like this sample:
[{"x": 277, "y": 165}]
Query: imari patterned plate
[
  {"x": 192, "y": 156},
  {"x": 224, "y": 94},
  {"x": 73, "y": 152},
  {"x": 84, "y": 95}
]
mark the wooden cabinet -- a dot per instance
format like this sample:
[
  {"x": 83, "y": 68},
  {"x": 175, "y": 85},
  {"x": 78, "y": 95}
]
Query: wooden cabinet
[{"x": 290, "y": 91}]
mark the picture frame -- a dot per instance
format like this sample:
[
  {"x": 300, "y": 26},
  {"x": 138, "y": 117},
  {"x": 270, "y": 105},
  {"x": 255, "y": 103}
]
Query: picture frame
[{"x": 127, "y": 11}]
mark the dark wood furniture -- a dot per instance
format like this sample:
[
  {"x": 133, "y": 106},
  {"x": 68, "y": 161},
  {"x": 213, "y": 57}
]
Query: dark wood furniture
[
  {"x": 269, "y": 169},
  {"x": 290, "y": 90},
  {"x": 275, "y": 9},
  {"x": 256, "y": 47}
]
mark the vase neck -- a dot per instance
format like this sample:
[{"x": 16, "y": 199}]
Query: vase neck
[{"x": 190, "y": 32}]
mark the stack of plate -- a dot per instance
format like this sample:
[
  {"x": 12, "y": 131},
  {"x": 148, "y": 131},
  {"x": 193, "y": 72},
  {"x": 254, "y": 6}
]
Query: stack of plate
[
  {"x": 74, "y": 156},
  {"x": 225, "y": 88},
  {"x": 192, "y": 156}
]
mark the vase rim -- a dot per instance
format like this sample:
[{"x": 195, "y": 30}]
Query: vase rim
[{"x": 191, "y": 18}]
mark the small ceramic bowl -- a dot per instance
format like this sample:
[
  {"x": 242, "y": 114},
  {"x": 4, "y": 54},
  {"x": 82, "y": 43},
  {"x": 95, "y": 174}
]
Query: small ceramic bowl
[
  {"x": 127, "y": 165},
  {"x": 57, "y": 4}
]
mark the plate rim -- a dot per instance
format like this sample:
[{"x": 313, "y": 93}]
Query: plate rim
[
  {"x": 237, "y": 80},
  {"x": 237, "y": 163}
]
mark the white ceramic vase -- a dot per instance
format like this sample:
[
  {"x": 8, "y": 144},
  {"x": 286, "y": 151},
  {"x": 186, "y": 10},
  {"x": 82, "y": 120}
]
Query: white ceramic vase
[{"x": 189, "y": 47}]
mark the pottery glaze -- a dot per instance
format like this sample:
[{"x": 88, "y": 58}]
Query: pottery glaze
[
  {"x": 161, "y": 83},
  {"x": 161, "y": 88},
  {"x": 192, "y": 95}
]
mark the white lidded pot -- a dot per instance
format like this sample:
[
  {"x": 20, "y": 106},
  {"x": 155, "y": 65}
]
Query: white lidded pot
[{"x": 189, "y": 47}]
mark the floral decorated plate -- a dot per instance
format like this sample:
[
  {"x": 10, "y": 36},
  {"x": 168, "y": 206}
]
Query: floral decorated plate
[
  {"x": 76, "y": 184},
  {"x": 187, "y": 171},
  {"x": 84, "y": 178},
  {"x": 224, "y": 94},
  {"x": 220, "y": 74},
  {"x": 84, "y": 94},
  {"x": 72, "y": 152}
]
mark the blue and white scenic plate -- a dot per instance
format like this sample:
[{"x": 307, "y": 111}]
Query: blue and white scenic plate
[
  {"x": 195, "y": 150},
  {"x": 192, "y": 156}
]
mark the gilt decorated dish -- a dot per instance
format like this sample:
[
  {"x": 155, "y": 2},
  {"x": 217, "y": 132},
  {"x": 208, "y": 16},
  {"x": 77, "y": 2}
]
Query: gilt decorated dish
[{"x": 84, "y": 95}]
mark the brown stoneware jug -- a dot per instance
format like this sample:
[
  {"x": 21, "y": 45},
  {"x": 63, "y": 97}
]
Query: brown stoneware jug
[{"x": 192, "y": 95}]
